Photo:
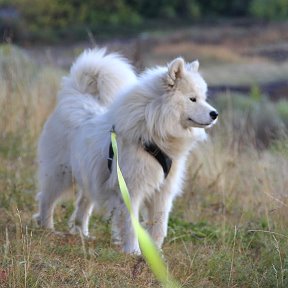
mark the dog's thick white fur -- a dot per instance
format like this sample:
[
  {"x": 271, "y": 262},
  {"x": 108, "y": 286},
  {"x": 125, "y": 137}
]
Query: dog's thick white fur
[{"x": 165, "y": 106}]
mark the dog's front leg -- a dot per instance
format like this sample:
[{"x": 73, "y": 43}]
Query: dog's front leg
[
  {"x": 158, "y": 214},
  {"x": 130, "y": 243},
  {"x": 160, "y": 205}
]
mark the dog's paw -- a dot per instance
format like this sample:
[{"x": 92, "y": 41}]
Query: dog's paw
[
  {"x": 76, "y": 230},
  {"x": 60, "y": 234},
  {"x": 36, "y": 219},
  {"x": 116, "y": 240},
  {"x": 132, "y": 250}
]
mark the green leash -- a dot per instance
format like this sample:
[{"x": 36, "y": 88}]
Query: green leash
[{"x": 148, "y": 248}]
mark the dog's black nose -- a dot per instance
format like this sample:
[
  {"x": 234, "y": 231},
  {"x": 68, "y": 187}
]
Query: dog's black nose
[{"x": 213, "y": 114}]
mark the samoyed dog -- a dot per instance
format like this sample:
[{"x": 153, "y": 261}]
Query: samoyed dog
[{"x": 158, "y": 117}]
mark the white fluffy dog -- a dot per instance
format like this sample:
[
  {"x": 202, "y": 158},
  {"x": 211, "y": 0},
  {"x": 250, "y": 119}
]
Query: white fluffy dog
[{"x": 158, "y": 117}]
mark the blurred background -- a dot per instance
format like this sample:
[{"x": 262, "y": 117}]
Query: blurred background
[
  {"x": 241, "y": 45},
  {"x": 230, "y": 227}
]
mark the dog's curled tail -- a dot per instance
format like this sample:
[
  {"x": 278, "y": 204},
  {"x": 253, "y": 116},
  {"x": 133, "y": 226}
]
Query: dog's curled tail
[{"x": 99, "y": 74}]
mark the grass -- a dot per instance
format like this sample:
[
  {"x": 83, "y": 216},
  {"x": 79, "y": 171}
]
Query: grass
[{"x": 229, "y": 229}]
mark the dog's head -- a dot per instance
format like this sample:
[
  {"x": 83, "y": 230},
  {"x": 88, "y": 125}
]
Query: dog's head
[{"x": 188, "y": 92}]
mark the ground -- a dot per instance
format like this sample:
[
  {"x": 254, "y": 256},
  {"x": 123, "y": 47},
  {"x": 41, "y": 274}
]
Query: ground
[{"x": 229, "y": 229}]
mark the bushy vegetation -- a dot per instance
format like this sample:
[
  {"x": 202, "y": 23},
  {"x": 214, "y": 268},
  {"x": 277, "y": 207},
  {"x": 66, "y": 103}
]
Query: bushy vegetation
[
  {"x": 55, "y": 19},
  {"x": 228, "y": 230},
  {"x": 261, "y": 119},
  {"x": 270, "y": 9}
]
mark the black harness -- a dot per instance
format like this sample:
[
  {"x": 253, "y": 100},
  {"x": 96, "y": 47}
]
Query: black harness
[{"x": 163, "y": 159}]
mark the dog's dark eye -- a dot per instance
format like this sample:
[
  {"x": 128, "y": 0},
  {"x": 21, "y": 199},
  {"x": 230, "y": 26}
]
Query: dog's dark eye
[{"x": 193, "y": 99}]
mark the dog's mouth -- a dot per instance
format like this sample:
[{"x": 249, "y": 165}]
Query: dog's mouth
[{"x": 201, "y": 125}]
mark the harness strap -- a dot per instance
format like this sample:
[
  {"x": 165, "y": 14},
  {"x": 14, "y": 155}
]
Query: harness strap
[
  {"x": 111, "y": 156},
  {"x": 163, "y": 159}
]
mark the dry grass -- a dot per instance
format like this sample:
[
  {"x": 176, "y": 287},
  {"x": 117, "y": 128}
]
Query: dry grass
[
  {"x": 228, "y": 230},
  {"x": 211, "y": 53},
  {"x": 28, "y": 92},
  {"x": 221, "y": 65}
]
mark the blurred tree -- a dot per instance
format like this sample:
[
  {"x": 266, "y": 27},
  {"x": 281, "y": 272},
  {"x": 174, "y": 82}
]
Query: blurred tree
[
  {"x": 44, "y": 14},
  {"x": 63, "y": 17},
  {"x": 269, "y": 9},
  {"x": 105, "y": 12},
  {"x": 189, "y": 9},
  {"x": 184, "y": 9},
  {"x": 227, "y": 8}
]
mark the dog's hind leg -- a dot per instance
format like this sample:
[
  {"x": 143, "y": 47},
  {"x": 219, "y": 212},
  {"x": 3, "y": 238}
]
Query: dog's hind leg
[
  {"x": 47, "y": 201},
  {"x": 79, "y": 221},
  {"x": 44, "y": 217},
  {"x": 53, "y": 186}
]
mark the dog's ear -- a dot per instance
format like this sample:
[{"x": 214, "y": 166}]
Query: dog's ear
[
  {"x": 193, "y": 66},
  {"x": 176, "y": 70}
]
